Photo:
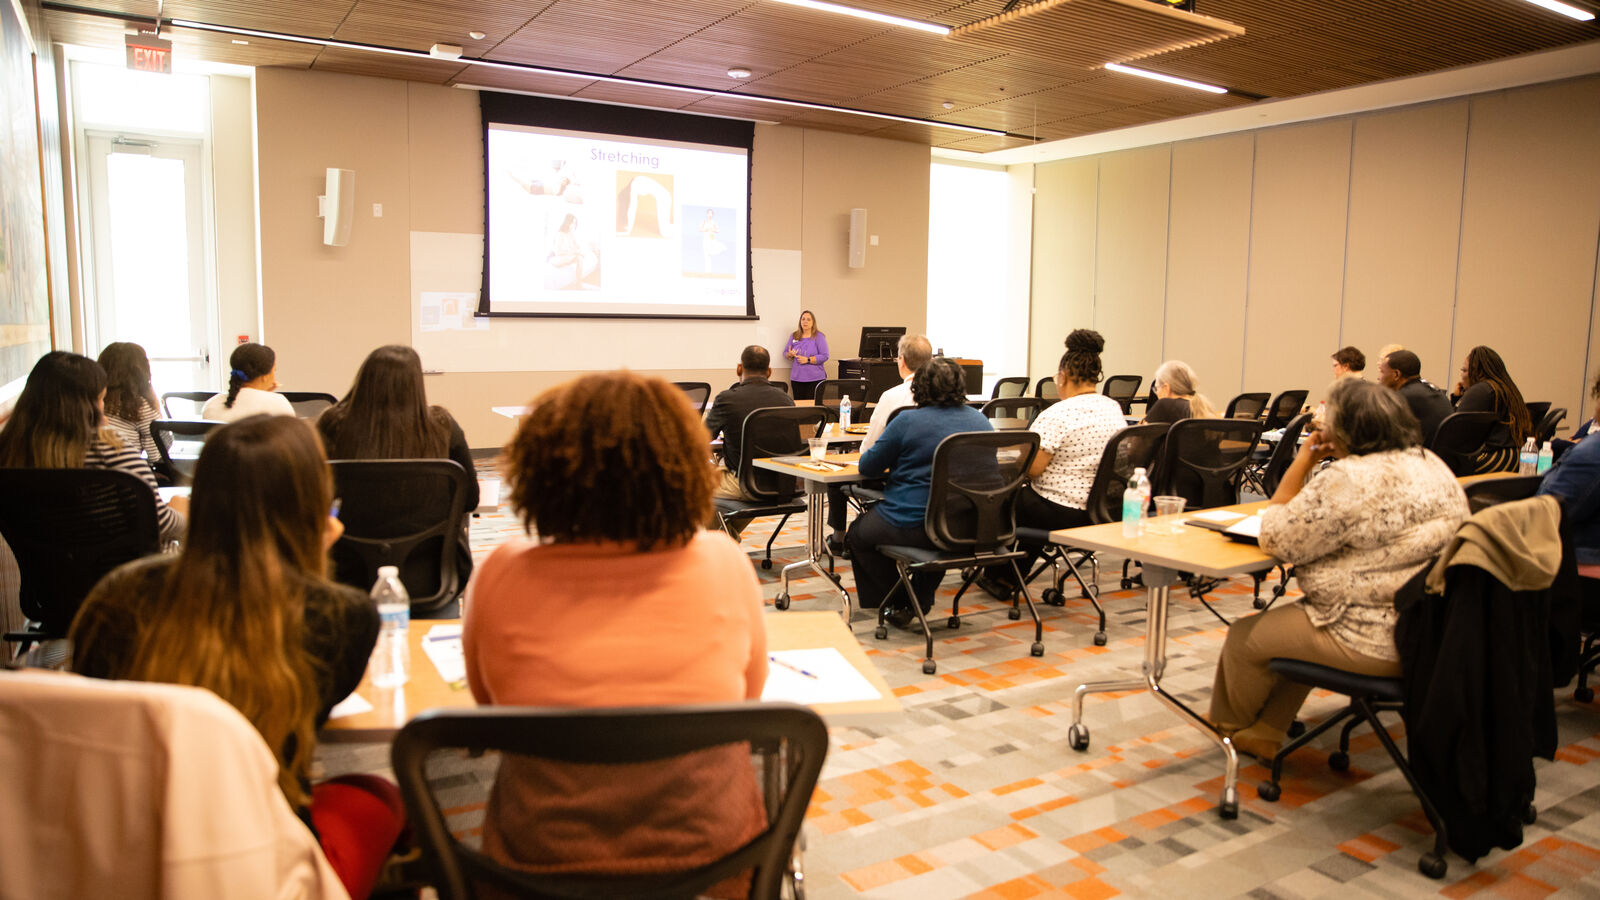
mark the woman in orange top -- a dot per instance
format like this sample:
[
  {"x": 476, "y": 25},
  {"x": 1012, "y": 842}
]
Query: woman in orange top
[{"x": 623, "y": 601}]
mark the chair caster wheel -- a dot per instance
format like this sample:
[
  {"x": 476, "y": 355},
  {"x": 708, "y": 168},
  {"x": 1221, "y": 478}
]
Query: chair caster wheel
[
  {"x": 953, "y": 622},
  {"x": 1269, "y": 792},
  {"x": 1583, "y": 695},
  {"x": 1230, "y": 804},
  {"x": 1297, "y": 728},
  {"x": 1338, "y": 760},
  {"x": 1014, "y": 614},
  {"x": 1092, "y": 594},
  {"x": 1054, "y": 597},
  {"x": 881, "y": 632},
  {"x": 1530, "y": 815},
  {"x": 1259, "y": 603},
  {"x": 1432, "y": 865},
  {"x": 929, "y": 667},
  {"x": 781, "y": 601},
  {"x": 1078, "y": 737},
  {"x": 766, "y": 564},
  {"x": 1127, "y": 584},
  {"x": 1099, "y": 638},
  {"x": 1037, "y": 649}
]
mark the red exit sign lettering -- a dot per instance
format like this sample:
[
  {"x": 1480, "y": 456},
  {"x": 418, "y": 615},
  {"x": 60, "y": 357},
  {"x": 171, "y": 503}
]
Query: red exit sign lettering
[{"x": 149, "y": 54}]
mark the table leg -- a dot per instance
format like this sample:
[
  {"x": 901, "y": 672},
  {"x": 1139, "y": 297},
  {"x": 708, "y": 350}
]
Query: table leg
[
  {"x": 816, "y": 526},
  {"x": 1159, "y": 583}
]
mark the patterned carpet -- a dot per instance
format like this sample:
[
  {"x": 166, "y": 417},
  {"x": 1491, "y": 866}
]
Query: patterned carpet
[{"x": 973, "y": 790}]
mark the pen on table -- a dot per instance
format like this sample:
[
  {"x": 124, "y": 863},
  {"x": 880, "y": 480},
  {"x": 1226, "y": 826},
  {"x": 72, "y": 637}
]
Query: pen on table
[{"x": 788, "y": 665}]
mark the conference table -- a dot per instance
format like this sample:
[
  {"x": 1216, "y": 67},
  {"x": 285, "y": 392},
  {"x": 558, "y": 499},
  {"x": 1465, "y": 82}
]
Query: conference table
[
  {"x": 835, "y": 468},
  {"x": 426, "y": 689}
]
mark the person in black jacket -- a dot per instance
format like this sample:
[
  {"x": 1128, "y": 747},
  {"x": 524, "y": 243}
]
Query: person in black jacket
[
  {"x": 1402, "y": 371},
  {"x": 753, "y": 391}
]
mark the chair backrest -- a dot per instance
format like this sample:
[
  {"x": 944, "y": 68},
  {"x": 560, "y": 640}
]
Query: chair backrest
[
  {"x": 1203, "y": 460},
  {"x": 780, "y": 385},
  {"x": 972, "y": 500},
  {"x": 1247, "y": 406},
  {"x": 68, "y": 527},
  {"x": 1046, "y": 389},
  {"x": 775, "y": 431},
  {"x": 1284, "y": 453},
  {"x": 1461, "y": 437},
  {"x": 1025, "y": 408},
  {"x": 1545, "y": 427},
  {"x": 829, "y": 393},
  {"x": 1134, "y": 447},
  {"x": 190, "y": 403},
  {"x": 1486, "y": 493},
  {"x": 1123, "y": 388},
  {"x": 897, "y": 411},
  {"x": 1284, "y": 407},
  {"x": 698, "y": 392},
  {"x": 405, "y": 513},
  {"x": 1010, "y": 387},
  {"x": 787, "y": 736},
  {"x": 1537, "y": 409},
  {"x": 309, "y": 404},
  {"x": 178, "y": 443}
]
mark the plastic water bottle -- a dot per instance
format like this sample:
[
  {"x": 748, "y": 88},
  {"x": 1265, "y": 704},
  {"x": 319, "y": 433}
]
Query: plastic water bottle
[
  {"x": 1530, "y": 458},
  {"x": 1546, "y": 457},
  {"x": 844, "y": 412},
  {"x": 1135, "y": 502},
  {"x": 391, "y": 658}
]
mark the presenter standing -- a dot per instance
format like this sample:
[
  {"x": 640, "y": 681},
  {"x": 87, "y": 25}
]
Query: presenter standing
[{"x": 807, "y": 350}]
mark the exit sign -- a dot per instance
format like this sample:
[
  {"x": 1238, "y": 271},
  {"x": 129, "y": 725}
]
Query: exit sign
[{"x": 147, "y": 53}]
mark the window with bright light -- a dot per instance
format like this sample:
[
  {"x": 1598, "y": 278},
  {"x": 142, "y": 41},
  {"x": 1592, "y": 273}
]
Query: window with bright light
[
  {"x": 968, "y": 268},
  {"x": 147, "y": 101}
]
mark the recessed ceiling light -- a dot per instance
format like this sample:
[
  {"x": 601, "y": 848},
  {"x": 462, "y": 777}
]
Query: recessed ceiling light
[
  {"x": 445, "y": 51},
  {"x": 241, "y": 43},
  {"x": 1571, "y": 12},
  {"x": 476, "y": 35},
  {"x": 929, "y": 27},
  {"x": 739, "y": 72},
  {"x": 1169, "y": 79},
  {"x": 948, "y": 105}
]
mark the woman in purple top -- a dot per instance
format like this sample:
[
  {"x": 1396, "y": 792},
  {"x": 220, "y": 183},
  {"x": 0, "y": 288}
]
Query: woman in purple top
[{"x": 808, "y": 350}]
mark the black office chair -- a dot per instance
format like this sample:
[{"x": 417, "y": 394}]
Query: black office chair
[
  {"x": 791, "y": 741},
  {"x": 178, "y": 443},
  {"x": 1537, "y": 410},
  {"x": 780, "y": 385},
  {"x": 1203, "y": 460},
  {"x": 1247, "y": 406},
  {"x": 1134, "y": 447},
  {"x": 194, "y": 399},
  {"x": 971, "y": 520},
  {"x": 407, "y": 513},
  {"x": 1268, "y": 479},
  {"x": 1025, "y": 408},
  {"x": 1148, "y": 400},
  {"x": 1047, "y": 391},
  {"x": 1545, "y": 427},
  {"x": 1461, "y": 437},
  {"x": 698, "y": 392},
  {"x": 66, "y": 528},
  {"x": 1015, "y": 386},
  {"x": 831, "y": 391},
  {"x": 1284, "y": 407},
  {"x": 770, "y": 432},
  {"x": 1123, "y": 389},
  {"x": 309, "y": 404},
  {"x": 1483, "y": 494}
]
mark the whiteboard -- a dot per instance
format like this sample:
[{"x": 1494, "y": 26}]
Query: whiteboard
[{"x": 448, "y": 266}]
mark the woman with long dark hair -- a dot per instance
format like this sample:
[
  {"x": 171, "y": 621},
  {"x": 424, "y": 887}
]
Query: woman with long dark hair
[
  {"x": 252, "y": 387},
  {"x": 59, "y": 423},
  {"x": 131, "y": 403},
  {"x": 246, "y": 611},
  {"x": 1486, "y": 386},
  {"x": 386, "y": 416}
]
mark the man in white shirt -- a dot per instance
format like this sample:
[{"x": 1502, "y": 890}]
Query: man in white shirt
[{"x": 915, "y": 351}]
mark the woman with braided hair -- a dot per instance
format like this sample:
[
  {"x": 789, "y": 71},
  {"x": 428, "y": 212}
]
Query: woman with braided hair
[
  {"x": 1486, "y": 386},
  {"x": 252, "y": 387}
]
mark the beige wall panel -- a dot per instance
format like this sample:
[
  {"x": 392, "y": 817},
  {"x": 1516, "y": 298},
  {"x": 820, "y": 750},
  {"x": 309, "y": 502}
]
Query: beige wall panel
[
  {"x": 1208, "y": 257},
  {"x": 445, "y": 129},
  {"x": 1297, "y": 233},
  {"x": 890, "y": 180},
  {"x": 325, "y": 307},
  {"x": 233, "y": 181},
  {"x": 1528, "y": 233},
  {"x": 1130, "y": 280},
  {"x": 774, "y": 188},
  {"x": 1405, "y": 227},
  {"x": 1586, "y": 403},
  {"x": 1065, "y": 204}
]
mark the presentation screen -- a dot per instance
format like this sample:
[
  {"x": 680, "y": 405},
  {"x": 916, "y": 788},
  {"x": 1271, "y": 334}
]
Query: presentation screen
[{"x": 590, "y": 224}]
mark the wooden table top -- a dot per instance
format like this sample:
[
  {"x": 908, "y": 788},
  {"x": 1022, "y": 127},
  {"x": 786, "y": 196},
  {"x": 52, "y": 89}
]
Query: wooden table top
[
  {"x": 793, "y": 465},
  {"x": 1193, "y": 549},
  {"x": 789, "y": 630}
]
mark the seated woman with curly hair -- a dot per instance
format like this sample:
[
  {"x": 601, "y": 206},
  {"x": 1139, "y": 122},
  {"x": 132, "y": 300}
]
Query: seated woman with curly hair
[
  {"x": 904, "y": 452},
  {"x": 622, "y": 601}
]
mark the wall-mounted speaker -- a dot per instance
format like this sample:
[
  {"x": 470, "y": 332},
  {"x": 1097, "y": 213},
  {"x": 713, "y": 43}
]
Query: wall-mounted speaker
[
  {"x": 858, "y": 238},
  {"x": 337, "y": 207}
]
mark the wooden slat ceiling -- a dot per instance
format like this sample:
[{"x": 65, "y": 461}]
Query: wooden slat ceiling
[{"x": 1035, "y": 73}]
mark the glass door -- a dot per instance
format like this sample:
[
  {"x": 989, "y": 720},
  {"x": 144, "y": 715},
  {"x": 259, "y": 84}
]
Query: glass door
[{"x": 148, "y": 240}]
